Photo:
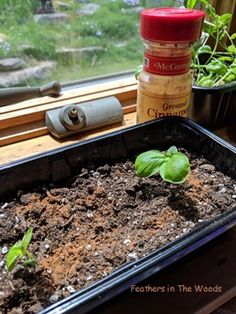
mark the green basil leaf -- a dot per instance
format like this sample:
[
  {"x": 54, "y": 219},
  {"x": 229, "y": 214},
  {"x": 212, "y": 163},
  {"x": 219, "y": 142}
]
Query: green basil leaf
[
  {"x": 13, "y": 254},
  {"x": 225, "y": 59},
  {"x": 149, "y": 163},
  {"x": 233, "y": 36},
  {"x": 205, "y": 82},
  {"x": 17, "y": 245},
  {"x": 225, "y": 19},
  {"x": 229, "y": 78},
  {"x": 204, "y": 49},
  {"x": 216, "y": 66},
  {"x": 191, "y": 4},
  {"x": 171, "y": 151},
  {"x": 176, "y": 169},
  {"x": 231, "y": 49},
  {"x": 27, "y": 238}
]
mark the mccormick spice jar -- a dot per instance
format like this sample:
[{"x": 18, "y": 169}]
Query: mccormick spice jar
[{"x": 165, "y": 84}]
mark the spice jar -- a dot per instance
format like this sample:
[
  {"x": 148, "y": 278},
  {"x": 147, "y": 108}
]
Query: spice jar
[{"x": 165, "y": 84}]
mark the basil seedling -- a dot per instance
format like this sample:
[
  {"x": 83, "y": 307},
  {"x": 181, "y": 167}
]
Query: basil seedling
[
  {"x": 20, "y": 250},
  {"x": 172, "y": 165}
]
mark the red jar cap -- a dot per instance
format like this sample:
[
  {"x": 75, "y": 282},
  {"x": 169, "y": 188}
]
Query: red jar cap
[{"x": 171, "y": 24}]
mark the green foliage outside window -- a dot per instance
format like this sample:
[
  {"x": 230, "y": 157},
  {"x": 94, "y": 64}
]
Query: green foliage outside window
[{"x": 15, "y": 11}]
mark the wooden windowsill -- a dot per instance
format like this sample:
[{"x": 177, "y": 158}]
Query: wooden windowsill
[
  {"x": 23, "y": 131},
  {"x": 22, "y": 127}
]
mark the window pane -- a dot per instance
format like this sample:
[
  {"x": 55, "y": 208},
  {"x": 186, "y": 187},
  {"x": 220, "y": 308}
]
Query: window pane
[{"x": 67, "y": 40}]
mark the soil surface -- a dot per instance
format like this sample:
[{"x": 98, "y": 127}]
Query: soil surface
[{"x": 101, "y": 219}]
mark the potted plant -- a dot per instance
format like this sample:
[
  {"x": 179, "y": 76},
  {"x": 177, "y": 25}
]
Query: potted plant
[
  {"x": 214, "y": 70},
  {"x": 92, "y": 218}
]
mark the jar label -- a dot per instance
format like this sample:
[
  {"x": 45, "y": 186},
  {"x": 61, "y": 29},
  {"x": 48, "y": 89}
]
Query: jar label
[
  {"x": 151, "y": 107},
  {"x": 167, "y": 65}
]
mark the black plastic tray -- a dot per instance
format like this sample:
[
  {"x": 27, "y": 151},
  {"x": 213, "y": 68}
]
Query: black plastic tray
[{"x": 61, "y": 164}]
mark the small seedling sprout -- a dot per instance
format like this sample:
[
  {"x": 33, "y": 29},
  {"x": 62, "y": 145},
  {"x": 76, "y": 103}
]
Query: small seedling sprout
[
  {"x": 172, "y": 165},
  {"x": 20, "y": 250}
]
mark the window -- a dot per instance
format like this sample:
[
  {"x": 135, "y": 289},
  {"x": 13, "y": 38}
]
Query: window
[{"x": 69, "y": 40}]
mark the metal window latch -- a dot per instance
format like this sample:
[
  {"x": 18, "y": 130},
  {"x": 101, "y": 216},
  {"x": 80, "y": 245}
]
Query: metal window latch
[
  {"x": 16, "y": 94},
  {"x": 76, "y": 118}
]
